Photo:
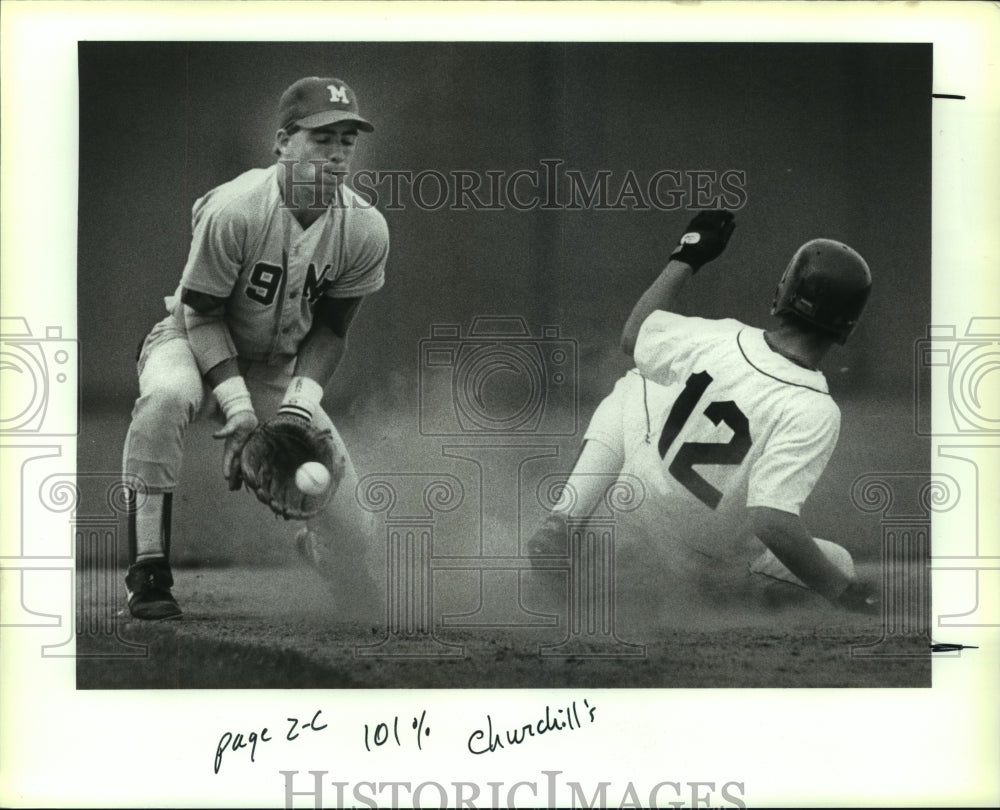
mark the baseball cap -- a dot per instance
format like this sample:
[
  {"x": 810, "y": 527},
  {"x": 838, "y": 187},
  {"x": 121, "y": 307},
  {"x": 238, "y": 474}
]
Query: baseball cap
[{"x": 314, "y": 102}]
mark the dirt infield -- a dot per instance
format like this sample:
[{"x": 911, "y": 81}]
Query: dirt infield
[
  {"x": 276, "y": 628},
  {"x": 256, "y": 617}
]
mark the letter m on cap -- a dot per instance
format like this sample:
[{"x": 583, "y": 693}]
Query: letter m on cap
[{"x": 337, "y": 94}]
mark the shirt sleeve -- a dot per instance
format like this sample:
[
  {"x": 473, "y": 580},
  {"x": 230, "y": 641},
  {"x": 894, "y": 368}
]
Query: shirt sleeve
[
  {"x": 795, "y": 456},
  {"x": 366, "y": 273},
  {"x": 668, "y": 343},
  {"x": 216, "y": 255},
  {"x": 656, "y": 344}
]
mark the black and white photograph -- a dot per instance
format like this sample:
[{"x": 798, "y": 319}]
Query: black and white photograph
[
  {"x": 452, "y": 408},
  {"x": 603, "y": 338}
]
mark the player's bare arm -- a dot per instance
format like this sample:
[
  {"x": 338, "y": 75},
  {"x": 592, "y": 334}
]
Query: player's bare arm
[
  {"x": 323, "y": 346},
  {"x": 704, "y": 240},
  {"x": 661, "y": 294}
]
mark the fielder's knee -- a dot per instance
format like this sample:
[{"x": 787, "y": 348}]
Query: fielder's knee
[{"x": 171, "y": 403}]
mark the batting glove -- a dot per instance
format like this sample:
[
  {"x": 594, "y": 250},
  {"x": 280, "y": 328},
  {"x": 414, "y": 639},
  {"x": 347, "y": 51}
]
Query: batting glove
[{"x": 705, "y": 238}]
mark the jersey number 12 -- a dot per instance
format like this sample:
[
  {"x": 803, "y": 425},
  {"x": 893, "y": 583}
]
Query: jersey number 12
[{"x": 691, "y": 453}]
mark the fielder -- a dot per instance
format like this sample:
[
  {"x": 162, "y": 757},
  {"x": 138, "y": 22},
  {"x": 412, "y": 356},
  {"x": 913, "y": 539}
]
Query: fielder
[
  {"x": 727, "y": 427},
  {"x": 280, "y": 261}
]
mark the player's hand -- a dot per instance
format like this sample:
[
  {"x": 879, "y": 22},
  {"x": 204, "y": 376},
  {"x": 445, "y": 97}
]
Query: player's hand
[
  {"x": 236, "y": 431},
  {"x": 705, "y": 238},
  {"x": 859, "y": 597}
]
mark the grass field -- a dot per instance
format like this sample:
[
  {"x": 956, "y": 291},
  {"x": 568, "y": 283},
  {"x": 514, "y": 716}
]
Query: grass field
[{"x": 257, "y": 617}]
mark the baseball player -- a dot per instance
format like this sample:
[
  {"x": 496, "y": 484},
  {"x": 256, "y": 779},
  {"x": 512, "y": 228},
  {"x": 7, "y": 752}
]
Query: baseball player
[
  {"x": 280, "y": 261},
  {"x": 726, "y": 427}
]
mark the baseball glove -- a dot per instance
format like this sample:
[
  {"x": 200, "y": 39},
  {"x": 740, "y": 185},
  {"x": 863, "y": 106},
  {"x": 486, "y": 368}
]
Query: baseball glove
[{"x": 272, "y": 454}]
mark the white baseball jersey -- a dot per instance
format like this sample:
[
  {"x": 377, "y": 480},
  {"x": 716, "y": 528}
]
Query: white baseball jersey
[
  {"x": 249, "y": 249},
  {"x": 712, "y": 422}
]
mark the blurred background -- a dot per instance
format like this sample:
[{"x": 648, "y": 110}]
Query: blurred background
[{"x": 833, "y": 140}]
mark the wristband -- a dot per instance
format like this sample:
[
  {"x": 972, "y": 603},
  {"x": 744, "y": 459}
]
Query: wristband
[
  {"x": 233, "y": 396},
  {"x": 302, "y": 398}
]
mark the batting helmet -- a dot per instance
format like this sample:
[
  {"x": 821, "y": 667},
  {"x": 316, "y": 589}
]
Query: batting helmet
[{"x": 827, "y": 284}]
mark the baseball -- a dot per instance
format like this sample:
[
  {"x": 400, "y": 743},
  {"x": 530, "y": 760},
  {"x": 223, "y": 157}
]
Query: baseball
[{"x": 312, "y": 478}]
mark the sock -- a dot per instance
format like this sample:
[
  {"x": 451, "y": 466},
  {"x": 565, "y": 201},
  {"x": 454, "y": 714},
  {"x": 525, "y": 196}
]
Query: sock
[{"x": 151, "y": 519}]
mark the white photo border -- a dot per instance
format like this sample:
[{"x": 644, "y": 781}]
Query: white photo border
[{"x": 900, "y": 747}]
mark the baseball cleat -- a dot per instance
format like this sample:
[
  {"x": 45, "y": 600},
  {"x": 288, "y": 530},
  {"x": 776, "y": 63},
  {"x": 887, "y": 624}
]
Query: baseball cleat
[
  {"x": 548, "y": 542},
  {"x": 148, "y": 586}
]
